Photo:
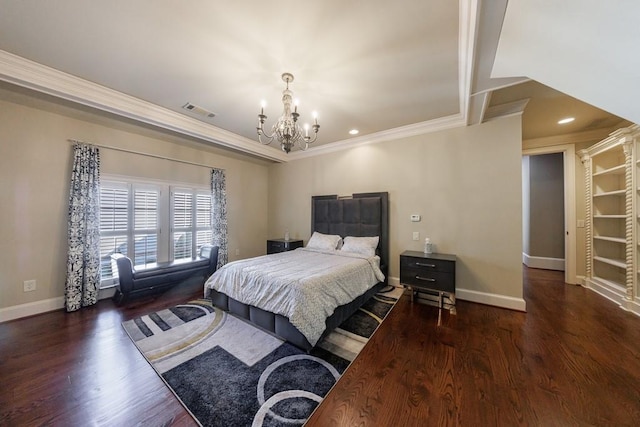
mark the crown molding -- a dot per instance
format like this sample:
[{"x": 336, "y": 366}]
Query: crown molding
[
  {"x": 501, "y": 83},
  {"x": 478, "y": 106},
  {"x": 508, "y": 109},
  {"x": 34, "y": 76},
  {"x": 571, "y": 138},
  {"x": 467, "y": 37},
  {"x": 443, "y": 123},
  {"x": 31, "y": 75}
]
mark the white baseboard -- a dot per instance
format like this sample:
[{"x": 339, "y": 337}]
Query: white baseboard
[
  {"x": 30, "y": 309},
  {"x": 543, "y": 262},
  {"x": 481, "y": 297},
  {"x": 611, "y": 291},
  {"x": 614, "y": 293},
  {"x": 43, "y": 306},
  {"x": 495, "y": 300},
  {"x": 632, "y": 306}
]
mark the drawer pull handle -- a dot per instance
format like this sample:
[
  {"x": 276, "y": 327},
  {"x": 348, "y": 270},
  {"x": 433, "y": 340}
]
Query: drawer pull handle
[
  {"x": 426, "y": 279},
  {"x": 426, "y": 265}
]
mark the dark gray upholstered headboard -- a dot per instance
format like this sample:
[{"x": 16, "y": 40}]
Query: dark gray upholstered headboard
[{"x": 362, "y": 215}]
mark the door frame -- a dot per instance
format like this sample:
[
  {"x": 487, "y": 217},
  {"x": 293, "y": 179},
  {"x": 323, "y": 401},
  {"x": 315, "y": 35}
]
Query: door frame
[{"x": 570, "y": 226}]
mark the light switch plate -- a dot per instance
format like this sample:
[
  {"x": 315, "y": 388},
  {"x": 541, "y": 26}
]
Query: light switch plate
[{"x": 416, "y": 235}]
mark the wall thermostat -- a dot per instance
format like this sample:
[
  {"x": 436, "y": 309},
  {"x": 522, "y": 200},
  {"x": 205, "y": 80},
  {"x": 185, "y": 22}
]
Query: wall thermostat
[{"x": 415, "y": 218}]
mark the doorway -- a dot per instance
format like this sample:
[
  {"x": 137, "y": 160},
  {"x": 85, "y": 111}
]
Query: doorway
[{"x": 568, "y": 226}]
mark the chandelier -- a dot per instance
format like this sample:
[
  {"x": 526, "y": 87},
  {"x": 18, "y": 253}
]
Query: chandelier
[{"x": 286, "y": 129}]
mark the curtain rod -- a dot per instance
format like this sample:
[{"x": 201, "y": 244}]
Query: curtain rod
[{"x": 124, "y": 150}]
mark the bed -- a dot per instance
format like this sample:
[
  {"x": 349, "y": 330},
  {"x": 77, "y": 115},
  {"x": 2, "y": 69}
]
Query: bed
[{"x": 361, "y": 215}]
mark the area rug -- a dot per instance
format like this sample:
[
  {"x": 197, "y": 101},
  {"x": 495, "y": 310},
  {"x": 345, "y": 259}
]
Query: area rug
[{"x": 228, "y": 372}]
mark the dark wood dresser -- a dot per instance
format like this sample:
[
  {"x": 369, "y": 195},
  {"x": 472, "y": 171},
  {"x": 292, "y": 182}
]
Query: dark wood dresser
[
  {"x": 431, "y": 277},
  {"x": 280, "y": 245}
]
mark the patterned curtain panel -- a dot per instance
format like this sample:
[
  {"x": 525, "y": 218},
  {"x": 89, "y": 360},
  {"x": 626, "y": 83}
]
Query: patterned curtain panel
[
  {"x": 83, "y": 263},
  {"x": 219, "y": 200}
]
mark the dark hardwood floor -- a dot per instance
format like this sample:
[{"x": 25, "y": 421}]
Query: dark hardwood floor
[
  {"x": 81, "y": 369},
  {"x": 572, "y": 359}
]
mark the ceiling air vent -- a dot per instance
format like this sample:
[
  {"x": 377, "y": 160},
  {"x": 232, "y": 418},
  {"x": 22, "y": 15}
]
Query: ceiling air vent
[{"x": 198, "y": 110}]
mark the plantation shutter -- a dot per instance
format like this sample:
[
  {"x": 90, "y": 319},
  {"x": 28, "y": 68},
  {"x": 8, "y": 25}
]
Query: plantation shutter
[
  {"x": 114, "y": 204},
  {"x": 182, "y": 225},
  {"x": 204, "y": 234},
  {"x": 145, "y": 226}
]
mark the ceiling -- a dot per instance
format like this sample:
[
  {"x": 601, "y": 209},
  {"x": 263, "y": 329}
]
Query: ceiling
[
  {"x": 388, "y": 69},
  {"x": 545, "y": 107}
]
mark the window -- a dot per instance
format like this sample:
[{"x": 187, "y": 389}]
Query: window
[
  {"x": 133, "y": 215},
  {"x": 191, "y": 222},
  {"x": 145, "y": 226},
  {"x": 114, "y": 208}
]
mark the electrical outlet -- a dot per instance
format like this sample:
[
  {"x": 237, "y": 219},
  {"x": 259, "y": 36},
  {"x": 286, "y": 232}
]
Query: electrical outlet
[
  {"x": 29, "y": 285},
  {"x": 237, "y": 251},
  {"x": 416, "y": 235}
]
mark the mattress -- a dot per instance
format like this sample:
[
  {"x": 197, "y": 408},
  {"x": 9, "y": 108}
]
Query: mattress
[{"x": 304, "y": 286}]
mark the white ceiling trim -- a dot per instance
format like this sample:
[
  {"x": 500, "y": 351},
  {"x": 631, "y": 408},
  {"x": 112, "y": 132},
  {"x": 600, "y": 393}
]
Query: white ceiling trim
[
  {"x": 572, "y": 138},
  {"x": 502, "y": 83},
  {"x": 402, "y": 132},
  {"x": 478, "y": 108},
  {"x": 508, "y": 109},
  {"x": 467, "y": 36},
  {"x": 23, "y": 72}
]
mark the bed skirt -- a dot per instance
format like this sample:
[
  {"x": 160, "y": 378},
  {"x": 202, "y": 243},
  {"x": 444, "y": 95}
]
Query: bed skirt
[{"x": 280, "y": 325}]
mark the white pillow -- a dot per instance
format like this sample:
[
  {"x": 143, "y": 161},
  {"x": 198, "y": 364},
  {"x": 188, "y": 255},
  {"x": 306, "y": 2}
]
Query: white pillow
[
  {"x": 361, "y": 245},
  {"x": 325, "y": 242}
]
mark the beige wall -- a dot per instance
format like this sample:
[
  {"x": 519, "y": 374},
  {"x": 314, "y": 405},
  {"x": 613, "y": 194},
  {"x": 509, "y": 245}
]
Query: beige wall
[
  {"x": 466, "y": 184},
  {"x": 35, "y": 159}
]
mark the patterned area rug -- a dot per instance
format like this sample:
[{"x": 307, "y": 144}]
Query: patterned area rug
[{"x": 228, "y": 372}]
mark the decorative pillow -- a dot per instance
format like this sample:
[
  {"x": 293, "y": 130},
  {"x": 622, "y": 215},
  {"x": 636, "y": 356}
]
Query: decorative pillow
[
  {"x": 361, "y": 245},
  {"x": 327, "y": 242}
]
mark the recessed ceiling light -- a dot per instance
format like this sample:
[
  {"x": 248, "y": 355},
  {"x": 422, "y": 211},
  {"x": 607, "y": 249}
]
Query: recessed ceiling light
[
  {"x": 354, "y": 132},
  {"x": 566, "y": 120}
]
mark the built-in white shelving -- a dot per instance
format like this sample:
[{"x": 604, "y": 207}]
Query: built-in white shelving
[
  {"x": 612, "y": 226},
  {"x": 620, "y": 192},
  {"x": 615, "y": 262},
  {"x": 611, "y": 239},
  {"x": 616, "y": 170}
]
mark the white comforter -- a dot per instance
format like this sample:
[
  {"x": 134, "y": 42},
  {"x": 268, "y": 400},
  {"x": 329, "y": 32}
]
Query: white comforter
[{"x": 304, "y": 285}]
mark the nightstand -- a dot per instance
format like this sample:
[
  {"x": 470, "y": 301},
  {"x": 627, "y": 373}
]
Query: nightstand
[
  {"x": 280, "y": 245},
  {"x": 431, "y": 276}
]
